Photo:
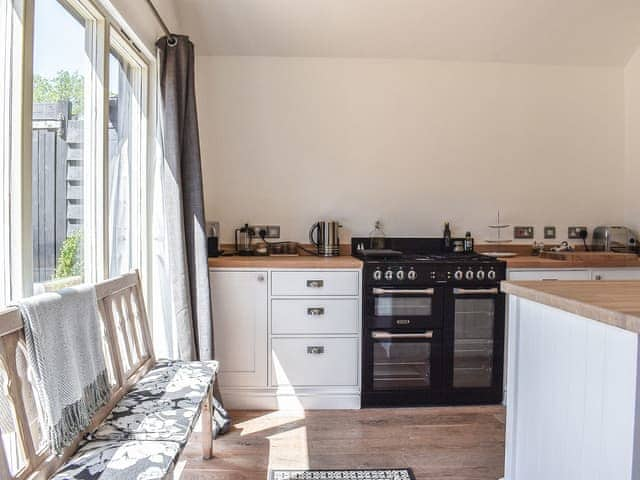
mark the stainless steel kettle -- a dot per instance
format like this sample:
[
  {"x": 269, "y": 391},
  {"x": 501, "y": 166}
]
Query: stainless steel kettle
[{"x": 324, "y": 235}]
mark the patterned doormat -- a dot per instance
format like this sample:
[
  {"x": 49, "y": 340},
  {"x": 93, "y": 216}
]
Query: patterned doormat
[{"x": 384, "y": 474}]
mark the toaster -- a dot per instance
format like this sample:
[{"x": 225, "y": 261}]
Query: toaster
[{"x": 613, "y": 238}]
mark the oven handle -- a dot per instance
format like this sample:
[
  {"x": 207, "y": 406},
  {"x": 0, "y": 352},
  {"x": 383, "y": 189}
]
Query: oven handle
[
  {"x": 477, "y": 291},
  {"x": 387, "y": 335},
  {"x": 423, "y": 291}
]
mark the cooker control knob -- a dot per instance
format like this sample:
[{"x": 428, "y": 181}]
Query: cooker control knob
[
  {"x": 400, "y": 275},
  {"x": 491, "y": 275},
  {"x": 480, "y": 274},
  {"x": 388, "y": 275},
  {"x": 458, "y": 275},
  {"x": 412, "y": 275},
  {"x": 377, "y": 275},
  {"x": 469, "y": 275}
]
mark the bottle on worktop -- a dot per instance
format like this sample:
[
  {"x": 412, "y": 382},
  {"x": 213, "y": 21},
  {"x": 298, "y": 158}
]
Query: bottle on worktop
[
  {"x": 446, "y": 237},
  {"x": 376, "y": 236},
  {"x": 468, "y": 243}
]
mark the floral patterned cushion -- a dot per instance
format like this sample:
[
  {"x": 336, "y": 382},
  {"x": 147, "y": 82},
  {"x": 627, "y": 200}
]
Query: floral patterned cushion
[
  {"x": 120, "y": 460},
  {"x": 164, "y": 405}
]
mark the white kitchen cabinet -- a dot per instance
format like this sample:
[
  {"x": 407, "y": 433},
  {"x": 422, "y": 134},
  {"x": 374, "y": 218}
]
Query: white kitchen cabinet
[
  {"x": 615, "y": 274},
  {"x": 623, "y": 273},
  {"x": 288, "y": 338},
  {"x": 315, "y": 316},
  {"x": 240, "y": 312},
  {"x": 551, "y": 274},
  {"x": 314, "y": 283},
  {"x": 315, "y": 361}
]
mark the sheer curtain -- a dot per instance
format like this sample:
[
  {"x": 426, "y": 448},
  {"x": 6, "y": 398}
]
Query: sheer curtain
[{"x": 120, "y": 172}]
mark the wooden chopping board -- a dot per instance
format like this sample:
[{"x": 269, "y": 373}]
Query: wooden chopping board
[{"x": 595, "y": 259}]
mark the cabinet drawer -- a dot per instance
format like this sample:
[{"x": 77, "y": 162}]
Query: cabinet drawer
[
  {"x": 310, "y": 283},
  {"x": 314, "y": 361},
  {"x": 314, "y": 316},
  {"x": 550, "y": 275},
  {"x": 616, "y": 274}
]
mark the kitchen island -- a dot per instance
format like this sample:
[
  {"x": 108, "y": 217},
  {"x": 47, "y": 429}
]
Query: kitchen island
[{"x": 573, "y": 409}]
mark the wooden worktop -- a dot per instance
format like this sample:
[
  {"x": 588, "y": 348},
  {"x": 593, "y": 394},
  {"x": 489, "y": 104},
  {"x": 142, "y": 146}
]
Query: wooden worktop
[
  {"x": 529, "y": 261},
  {"x": 615, "y": 303},
  {"x": 579, "y": 260},
  {"x": 302, "y": 261}
]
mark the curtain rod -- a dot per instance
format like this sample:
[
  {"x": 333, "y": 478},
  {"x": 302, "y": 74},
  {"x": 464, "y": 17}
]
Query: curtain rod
[{"x": 172, "y": 41}]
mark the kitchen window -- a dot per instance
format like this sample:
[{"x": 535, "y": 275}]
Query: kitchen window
[
  {"x": 127, "y": 101},
  {"x": 61, "y": 154},
  {"x": 72, "y": 146}
]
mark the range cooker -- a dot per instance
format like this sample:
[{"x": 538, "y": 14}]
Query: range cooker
[{"x": 433, "y": 325}]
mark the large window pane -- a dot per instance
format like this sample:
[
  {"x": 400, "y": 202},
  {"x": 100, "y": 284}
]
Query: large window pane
[
  {"x": 60, "y": 67},
  {"x": 124, "y": 161}
]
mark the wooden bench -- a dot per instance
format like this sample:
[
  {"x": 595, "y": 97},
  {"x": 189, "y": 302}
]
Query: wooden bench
[{"x": 119, "y": 430}]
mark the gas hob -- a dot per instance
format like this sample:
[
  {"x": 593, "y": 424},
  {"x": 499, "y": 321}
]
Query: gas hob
[{"x": 423, "y": 261}]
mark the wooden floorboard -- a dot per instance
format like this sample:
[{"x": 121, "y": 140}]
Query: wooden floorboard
[{"x": 452, "y": 443}]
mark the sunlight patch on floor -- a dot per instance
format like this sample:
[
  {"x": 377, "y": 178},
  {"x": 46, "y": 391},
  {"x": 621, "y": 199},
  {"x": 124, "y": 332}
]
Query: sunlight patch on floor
[
  {"x": 269, "y": 421},
  {"x": 289, "y": 449}
]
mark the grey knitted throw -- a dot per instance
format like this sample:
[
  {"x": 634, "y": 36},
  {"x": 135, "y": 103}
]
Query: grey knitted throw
[{"x": 64, "y": 343}]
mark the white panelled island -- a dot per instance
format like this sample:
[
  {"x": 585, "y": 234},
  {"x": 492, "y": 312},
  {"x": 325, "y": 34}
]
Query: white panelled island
[{"x": 573, "y": 405}]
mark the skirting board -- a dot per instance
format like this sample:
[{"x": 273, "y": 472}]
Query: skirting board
[{"x": 243, "y": 400}]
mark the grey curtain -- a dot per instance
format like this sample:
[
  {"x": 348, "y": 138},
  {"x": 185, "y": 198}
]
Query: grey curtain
[
  {"x": 183, "y": 260},
  {"x": 183, "y": 201}
]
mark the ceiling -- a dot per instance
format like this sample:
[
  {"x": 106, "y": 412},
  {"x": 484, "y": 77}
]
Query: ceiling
[{"x": 575, "y": 32}]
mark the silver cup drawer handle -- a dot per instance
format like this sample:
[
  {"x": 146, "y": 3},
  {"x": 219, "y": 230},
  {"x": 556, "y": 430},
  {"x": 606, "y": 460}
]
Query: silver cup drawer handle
[
  {"x": 315, "y": 311},
  {"x": 315, "y": 283},
  {"x": 315, "y": 350}
]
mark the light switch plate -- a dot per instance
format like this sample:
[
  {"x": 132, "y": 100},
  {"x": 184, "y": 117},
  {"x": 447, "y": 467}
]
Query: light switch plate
[
  {"x": 213, "y": 229},
  {"x": 523, "y": 232},
  {"x": 574, "y": 232},
  {"x": 549, "y": 232}
]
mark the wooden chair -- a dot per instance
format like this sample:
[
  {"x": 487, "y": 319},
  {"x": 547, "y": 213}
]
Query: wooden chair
[{"x": 129, "y": 355}]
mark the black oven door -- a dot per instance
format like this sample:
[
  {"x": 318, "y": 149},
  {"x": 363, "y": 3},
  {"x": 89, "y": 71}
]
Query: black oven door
[
  {"x": 475, "y": 341},
  {"x": 402, "y": 368},
  {"x": 403, "y": 308}
]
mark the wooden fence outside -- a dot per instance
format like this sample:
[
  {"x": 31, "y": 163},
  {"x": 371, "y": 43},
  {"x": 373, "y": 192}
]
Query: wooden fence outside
[{"x": 57, "y": 169}]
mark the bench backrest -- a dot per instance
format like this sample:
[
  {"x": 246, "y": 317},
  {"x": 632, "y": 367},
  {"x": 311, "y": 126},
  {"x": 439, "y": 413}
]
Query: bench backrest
[{"x": 129, "y": 354}]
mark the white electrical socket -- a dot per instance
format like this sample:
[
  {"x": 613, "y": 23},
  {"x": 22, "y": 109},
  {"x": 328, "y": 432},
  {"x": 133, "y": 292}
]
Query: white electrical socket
[
  {"x": 273, "y": 231},
  {"x": 574, "y": 232}
]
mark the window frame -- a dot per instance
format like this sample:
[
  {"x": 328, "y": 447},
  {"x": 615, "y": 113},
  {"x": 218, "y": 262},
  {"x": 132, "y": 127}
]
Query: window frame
[
  {"x": 15, "y": 230},
  {"x": 93, "y": 123},
  {"x": 6, "y": 29},
  {"x": 103, "y": 26}
]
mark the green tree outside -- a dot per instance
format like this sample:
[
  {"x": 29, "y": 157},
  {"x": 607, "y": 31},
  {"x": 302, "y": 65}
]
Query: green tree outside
[
  {"x": 65, "y": 86},
  {"x": 69, "y": 258}
]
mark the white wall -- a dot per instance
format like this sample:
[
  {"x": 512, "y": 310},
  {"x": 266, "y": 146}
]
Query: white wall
[
  {"x": 632, "y": 176},
  {"x": 290, "y": 140}
]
